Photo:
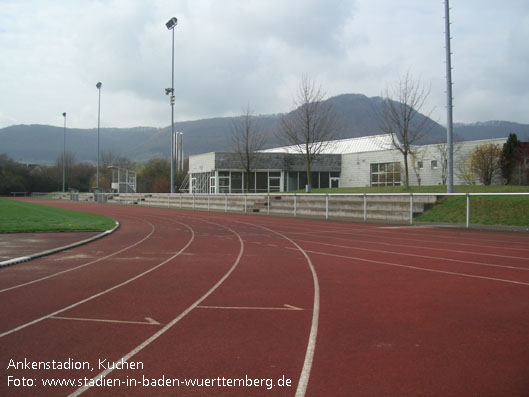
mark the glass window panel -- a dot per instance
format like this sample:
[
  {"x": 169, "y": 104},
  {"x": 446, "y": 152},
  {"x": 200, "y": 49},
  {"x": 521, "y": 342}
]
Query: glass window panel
[
  {"x": 236, "y": 182},
  {"x": 252, "y": 182},
  {"x": 292, "y": 181},
  {"x": 302, "y": 180},
  {"x": 324, "y": 180},
  {"x": 315, "y": 179},
  {"x": 262, "y": 182}
]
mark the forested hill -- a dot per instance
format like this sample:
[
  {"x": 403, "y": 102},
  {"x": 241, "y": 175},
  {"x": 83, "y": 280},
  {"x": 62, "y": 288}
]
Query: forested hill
[{"x": 42, "y": 144}]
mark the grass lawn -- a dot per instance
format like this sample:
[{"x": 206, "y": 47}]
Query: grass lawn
[
  {"x": 22, "y": 217},
  {"x": 484, "y": 210},
  {"x": 425, "y": 189}
]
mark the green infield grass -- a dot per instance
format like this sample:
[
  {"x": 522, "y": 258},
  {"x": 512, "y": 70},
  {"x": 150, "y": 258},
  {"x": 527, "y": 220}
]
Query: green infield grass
[{"x": 22, "y": 217}]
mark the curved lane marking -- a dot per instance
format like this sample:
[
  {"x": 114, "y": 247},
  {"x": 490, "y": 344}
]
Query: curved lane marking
[
  {"x": 83, "y": 265},
  {"x": 173, "y": 322},
  {"x": 102, "y": 292},
  {"x": 311, "y": 345}
]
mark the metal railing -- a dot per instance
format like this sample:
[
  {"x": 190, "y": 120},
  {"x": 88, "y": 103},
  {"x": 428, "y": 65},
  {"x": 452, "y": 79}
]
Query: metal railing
[{"x": 319, "y": 203}]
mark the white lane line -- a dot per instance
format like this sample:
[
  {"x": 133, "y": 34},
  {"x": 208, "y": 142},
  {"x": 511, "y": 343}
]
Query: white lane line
[
  {"x": 148, "y": 321},
  {"x": 83, "y": 265},
  {"x": 425, "y": 247},
  {"x": 415, "y": 255},
  {"x": 102, "y": 292},
  {"x": 155, "y": 336},
  {"x": 286, "y": 307},
  {"x": 375, "y": 231},
  {"x": 311, "y": 345},
  {"x": 421, "y": 268}
]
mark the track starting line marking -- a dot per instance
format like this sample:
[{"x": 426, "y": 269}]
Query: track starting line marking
[
  {"x": 286, "y": 307},
  {"x": 149, "y": 321}
]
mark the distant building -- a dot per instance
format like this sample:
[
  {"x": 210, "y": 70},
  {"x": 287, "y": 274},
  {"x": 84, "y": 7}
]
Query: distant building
[{"x": 354, "y": 162}]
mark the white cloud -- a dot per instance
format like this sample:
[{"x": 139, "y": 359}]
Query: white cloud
[{"x": 230, "y": 53}]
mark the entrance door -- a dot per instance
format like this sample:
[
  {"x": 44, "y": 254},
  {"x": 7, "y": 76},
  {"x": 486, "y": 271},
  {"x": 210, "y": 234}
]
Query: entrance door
[{"x": 212, "y": 184}]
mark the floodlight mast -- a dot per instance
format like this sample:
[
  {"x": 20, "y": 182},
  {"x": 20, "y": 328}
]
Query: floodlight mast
[
  {"x": 98, "y": 85},
  {"x": 64, "y": 153},
  {"x": 449, "y": 106},
  {"x": 171, "y": 24}
]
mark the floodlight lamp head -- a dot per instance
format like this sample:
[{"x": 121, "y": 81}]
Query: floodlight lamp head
[
  {"x": 64, "y": 114},
  {"x": 168, "y": 91},
  {"x": 171, "y": 23},
  {"x": 98, "y": 85}
]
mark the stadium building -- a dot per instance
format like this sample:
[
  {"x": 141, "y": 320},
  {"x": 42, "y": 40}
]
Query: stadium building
[{"x": 353, "y": 162}]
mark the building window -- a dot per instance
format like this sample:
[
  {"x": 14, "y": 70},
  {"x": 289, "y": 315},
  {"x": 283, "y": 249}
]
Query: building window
[
  {"x": 224, "y": 181},
  {"x": 420, "y": 165},
  {"x": 386, "y": 174},
  {"x": 274, "y": 181},
  {"x": 434, "y": 164}
]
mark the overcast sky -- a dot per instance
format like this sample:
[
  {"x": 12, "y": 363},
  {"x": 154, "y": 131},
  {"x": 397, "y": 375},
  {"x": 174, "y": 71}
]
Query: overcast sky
[{"x": 233, "y": 52}]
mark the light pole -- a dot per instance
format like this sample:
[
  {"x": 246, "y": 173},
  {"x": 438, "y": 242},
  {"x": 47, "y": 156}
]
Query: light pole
[
  {"x": 98, "y": 85},
  {"x": 64, "y": 153},
  {"x": 449, "y": 106},
  {"x": 171, "y": 24}
]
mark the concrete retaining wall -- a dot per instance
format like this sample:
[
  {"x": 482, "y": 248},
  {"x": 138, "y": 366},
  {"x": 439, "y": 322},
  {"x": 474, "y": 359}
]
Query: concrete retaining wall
[{"x": 391, "y": 208}]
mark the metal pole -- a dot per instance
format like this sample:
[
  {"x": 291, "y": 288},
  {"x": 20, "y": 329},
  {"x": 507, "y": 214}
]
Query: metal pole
[
  {"x": 365, "y": 207},
  {"x": 449, "y": 106},
  {"x": 98, "y": 85},
  {"x": 64, "y": 153},
  {"x": 468, "y": 210},
  {"x": 172, "y": 117},
  {"x": 411, "y": 208}
]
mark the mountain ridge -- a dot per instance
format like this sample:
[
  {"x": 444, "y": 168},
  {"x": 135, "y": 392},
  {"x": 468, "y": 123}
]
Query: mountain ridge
[{"x": 355, "y": 118}]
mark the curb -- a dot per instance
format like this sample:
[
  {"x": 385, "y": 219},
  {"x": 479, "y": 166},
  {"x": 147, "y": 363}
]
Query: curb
[{"x": 21, "y": 259}]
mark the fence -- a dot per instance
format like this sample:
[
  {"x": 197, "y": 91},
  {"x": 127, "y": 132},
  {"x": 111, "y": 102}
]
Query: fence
[
  {"x": 378, "y": 207},
  {"x": 392, "y": 207}
]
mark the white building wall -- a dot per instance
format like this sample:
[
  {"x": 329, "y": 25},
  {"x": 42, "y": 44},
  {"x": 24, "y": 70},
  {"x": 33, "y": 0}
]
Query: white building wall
[
  {"x": 356, "y": 167},
  {"x": 202, "y": 163}
]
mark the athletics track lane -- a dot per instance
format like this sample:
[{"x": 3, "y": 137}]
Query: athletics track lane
[
  {"x": 166, "y": 292},
  {"x": 388, "y": 324}
]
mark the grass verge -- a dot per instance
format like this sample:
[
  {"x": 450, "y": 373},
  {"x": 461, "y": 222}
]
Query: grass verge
[
  {"x": 425, "y": 189},
  {"x": 22, "y": 217},
  {"x": 489, "y": 210}
]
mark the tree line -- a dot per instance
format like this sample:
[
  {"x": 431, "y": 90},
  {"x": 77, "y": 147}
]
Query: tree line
[
  {"x": 489, "y": 163},
  {"x": 153, "y": 176}
]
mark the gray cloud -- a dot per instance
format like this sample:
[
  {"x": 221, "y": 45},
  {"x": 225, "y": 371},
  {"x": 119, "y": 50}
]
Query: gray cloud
[{"x": 230, "y": 53}]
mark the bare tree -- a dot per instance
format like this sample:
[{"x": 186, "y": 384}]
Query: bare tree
[
  {"x": 465, "y": 172},
  {"x": 441, "y": 155},
  {"x": 310, "y": 127},
  {"x": 417, "y": 159},
  {"x": 247, "y": 139},
  {"x": 399, "y": 115},
  {"x": 486, "y": 162},
  {"x": 69, "y": 162}
]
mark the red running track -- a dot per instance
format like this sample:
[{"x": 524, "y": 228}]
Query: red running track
[{"x": 262, "y": 306}]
